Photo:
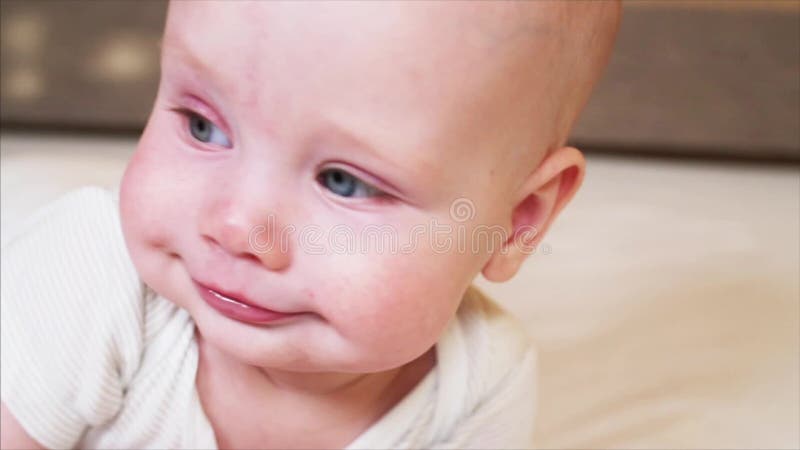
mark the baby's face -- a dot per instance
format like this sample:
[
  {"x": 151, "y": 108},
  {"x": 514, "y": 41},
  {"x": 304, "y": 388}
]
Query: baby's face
[{"x": 279, "y": 133}]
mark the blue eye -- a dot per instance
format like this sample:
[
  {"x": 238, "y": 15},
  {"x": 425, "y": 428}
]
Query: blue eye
[
  {"x": 344, "y": 184},
  {"x": 204, "y": 131}
]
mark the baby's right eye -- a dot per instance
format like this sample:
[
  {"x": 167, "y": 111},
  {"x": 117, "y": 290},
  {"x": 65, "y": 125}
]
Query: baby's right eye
[{"x": 205, "y": 131}]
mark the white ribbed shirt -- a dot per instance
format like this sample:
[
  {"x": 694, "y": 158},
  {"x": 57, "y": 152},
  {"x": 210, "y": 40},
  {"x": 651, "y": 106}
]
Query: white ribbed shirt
[{"x": 92, "y": 358}]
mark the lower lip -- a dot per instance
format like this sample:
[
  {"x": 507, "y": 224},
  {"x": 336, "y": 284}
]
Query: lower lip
[{"x": 240, "y": 311}]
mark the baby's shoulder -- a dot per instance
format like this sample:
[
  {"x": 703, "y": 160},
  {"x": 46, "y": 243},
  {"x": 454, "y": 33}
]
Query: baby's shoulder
[
  {"x": 72, "y": 321},
  {"x": 83, "y": 211},
  {"x": 72, "y": 247},
  {"x": 68, "y": 269}
]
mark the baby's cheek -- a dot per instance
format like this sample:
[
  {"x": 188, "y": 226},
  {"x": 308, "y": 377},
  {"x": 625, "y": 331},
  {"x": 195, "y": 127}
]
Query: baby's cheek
[
  {"x": 393, "y": 307},
  {"x": 160, "y": 190},
  {"x": 142, "y": 198}
]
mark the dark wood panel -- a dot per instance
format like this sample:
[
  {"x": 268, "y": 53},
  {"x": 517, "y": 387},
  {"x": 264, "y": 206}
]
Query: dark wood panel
[
  {"x": 701, "y": 79},
  {"x": 79, "y": 63}
]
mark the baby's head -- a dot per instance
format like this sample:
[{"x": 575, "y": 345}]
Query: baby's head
[{"x": 286, "y": 136}]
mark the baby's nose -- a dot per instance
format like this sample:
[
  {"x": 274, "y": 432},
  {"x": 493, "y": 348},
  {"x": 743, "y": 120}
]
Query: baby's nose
[{"x": 248, "y": 232}]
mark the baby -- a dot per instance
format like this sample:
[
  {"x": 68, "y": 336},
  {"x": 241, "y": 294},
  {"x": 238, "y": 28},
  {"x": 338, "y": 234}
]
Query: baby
[{"x": 223, "y": 297}]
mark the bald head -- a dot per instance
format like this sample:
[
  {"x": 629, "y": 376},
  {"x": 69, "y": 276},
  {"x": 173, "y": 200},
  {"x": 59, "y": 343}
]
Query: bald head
[
  {"x": 583, "y": 40},
  {"x": 561, "y": 49}
]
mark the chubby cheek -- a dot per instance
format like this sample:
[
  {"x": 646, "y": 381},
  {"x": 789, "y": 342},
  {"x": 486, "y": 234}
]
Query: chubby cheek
[
  {"x": 140, "y": 209},
  {"x": 392, "y": 308},
  {"x": 151, "y": 213}
]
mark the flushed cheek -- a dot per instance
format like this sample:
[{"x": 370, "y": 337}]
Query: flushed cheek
[
  {"x": 142, "y": 198},
  {"x": 156, "y": 213},
  {"x": 161, "y": 190},
  {"x": 142, "y": 223},
  {"x": 389, "y": 313}
]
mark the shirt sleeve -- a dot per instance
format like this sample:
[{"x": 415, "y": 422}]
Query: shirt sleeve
[
  {"x": 493, "y": 394},
  {"x": 71, "y": 319},
  {"x": 504, "y": 419}
]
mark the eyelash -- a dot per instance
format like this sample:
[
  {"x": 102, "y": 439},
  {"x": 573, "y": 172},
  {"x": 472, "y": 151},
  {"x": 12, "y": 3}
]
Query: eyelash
[
  {"x": 187, "y": 115},
  {"x": 367, "y": 191}
]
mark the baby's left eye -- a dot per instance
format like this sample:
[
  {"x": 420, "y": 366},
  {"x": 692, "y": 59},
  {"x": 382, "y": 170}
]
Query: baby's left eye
[
  {"x": 344, "y": 184},
  {"x": 205, "y": 131}
]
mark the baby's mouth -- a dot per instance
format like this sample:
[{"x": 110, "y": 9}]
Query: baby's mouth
[{"x": 239, "y": 308}]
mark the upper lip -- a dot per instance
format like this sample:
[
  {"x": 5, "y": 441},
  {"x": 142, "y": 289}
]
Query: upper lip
[{"x": 239, "y": 297}]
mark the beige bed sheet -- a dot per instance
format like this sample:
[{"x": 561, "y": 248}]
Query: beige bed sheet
[{"x": 665, "y": 303}]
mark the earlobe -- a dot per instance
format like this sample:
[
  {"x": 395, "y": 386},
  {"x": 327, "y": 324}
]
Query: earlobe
[{"x": 541, "y": 198}]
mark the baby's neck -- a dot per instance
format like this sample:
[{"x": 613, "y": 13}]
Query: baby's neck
[{"x": 257, "y": 407}]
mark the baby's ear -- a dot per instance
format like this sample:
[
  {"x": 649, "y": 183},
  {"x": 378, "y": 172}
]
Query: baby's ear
[{"x": 538, "y": 202}]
